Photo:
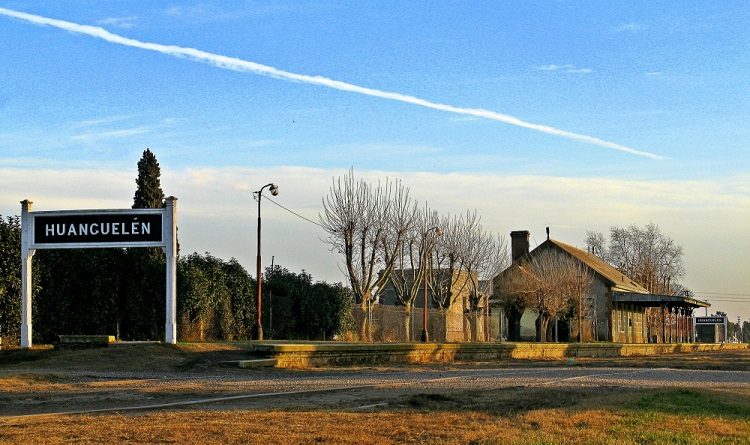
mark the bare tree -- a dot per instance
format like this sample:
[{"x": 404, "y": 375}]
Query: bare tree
[
  {"x": 412, "y": 262},
  {"x": 595, "y": 243},
  {"x": 486, "y": 256},
  {"x": 551, "y": 282},
  {"x": 448, "y": 279},
  {"x": 466, "y": 260},
  {"x": 496, "y": 260},
  {"x": 647, "y": 256},
  {"x": 510, "y": 293},
  {"x": 554, "y": 284},
  {"x": 579, "y": 279},
  {"x": 368, "y": 225}
]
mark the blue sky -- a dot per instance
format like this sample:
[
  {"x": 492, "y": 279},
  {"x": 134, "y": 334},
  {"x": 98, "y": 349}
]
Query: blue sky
[{"x": 665, "y": 78}]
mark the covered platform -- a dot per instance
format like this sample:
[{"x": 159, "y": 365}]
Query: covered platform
[{"x": 674, "y": 323}]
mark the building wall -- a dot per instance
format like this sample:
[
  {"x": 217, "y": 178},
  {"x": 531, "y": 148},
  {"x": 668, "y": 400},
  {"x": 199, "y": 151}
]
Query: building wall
[
  {"x": 442, "y": 326},
  {"x": 596, "y": 311},
  {"x": 602, "y": 319},
  {"x": 460, "y": 289},
  {"x": 528, "y": 325},
  {"x": 628, "y": 323}
]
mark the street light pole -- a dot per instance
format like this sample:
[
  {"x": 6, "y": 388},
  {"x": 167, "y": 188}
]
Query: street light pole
[
  {"x": 580, "y": 305},
  {"x": 438, "y": 231},
  {"x": 258, "y": 331}
]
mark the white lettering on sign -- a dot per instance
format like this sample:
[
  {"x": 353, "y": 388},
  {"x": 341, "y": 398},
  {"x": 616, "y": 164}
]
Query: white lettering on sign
[{"x": 84, "y": 229}]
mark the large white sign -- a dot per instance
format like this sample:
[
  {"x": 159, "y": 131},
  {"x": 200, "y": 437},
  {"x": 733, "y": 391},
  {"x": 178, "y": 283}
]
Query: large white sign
[
  {"x": 98, "y": 228},
  {"x": 76, "y": 229}
]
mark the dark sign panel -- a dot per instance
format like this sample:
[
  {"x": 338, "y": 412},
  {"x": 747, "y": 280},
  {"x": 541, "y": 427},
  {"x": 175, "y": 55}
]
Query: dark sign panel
[
  {"x": 709, "y": 320},
  {"x": 98, "y": 228}
]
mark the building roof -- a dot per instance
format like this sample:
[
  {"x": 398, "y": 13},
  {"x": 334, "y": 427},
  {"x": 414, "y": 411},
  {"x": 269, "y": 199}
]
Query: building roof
[
  {"x": 618, "y": 281},
  {"x": 654, "y": 299}
]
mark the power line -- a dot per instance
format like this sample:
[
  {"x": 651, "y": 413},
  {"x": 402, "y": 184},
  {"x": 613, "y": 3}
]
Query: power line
[
  {"x": 723, "y": 297},
  {"x": 294, "y": 213},
  {"x": 721, "y": 293},
  {"x": 723, "y": 300}
]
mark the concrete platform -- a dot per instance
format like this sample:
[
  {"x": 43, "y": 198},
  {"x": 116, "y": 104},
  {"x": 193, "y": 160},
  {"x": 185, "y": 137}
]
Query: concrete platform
[
  {"x": 294, "y": 355},
  {"x": 258, "y": 363},
  {"x": 86, "y": 340}
]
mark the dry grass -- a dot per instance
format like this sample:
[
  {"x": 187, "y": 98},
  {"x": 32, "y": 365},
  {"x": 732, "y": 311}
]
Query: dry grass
[
  {"x": 534, "y": 415},
  {"x": 516, "y": 416},
  {"x": 729, "y": 360}
]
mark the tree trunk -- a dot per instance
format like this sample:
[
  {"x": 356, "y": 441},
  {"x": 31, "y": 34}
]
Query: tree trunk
[
  {"x": 542, "y": 326},
  {"x": 474, "y": 326},
  {"x": 555, "y": 327},
  {"x": 407, "y": 323},
  {"x": 363, "y": 322},
  {"x": 465, "y": 320},
  {"x": 514, "y": 323}
]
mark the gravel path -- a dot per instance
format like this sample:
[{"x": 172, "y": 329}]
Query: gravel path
[{"x": 74, "y": 391}]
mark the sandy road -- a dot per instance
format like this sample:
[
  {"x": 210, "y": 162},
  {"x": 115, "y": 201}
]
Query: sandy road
[{"x": 40, "y": 393}]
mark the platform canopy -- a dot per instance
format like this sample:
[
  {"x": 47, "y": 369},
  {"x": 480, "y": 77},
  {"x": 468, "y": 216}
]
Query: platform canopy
[{"x": 655, "y": 300}]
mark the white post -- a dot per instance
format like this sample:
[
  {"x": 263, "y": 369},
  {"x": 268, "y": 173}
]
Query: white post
[
  {"x": 170, "y": 238},
  {"x": 726, "y": 331},
  {"x": 695, "y": 332},
  {"x": 26, "y": 273}
]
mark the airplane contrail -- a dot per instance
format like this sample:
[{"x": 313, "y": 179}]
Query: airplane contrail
[{"x": 235, "y": 64}]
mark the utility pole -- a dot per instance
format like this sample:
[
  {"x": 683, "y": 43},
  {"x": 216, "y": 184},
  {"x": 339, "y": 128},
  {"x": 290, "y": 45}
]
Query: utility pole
[
  {"x": 739, "y": 330},
  {"x": 270, "y": 306},
  {"x": 580, "y": 305}
]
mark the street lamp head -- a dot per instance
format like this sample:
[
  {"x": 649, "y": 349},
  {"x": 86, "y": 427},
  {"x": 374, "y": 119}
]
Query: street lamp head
[{"x": 274, "y": 189}]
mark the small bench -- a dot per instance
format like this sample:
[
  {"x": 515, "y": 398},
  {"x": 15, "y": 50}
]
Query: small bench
[{"x": 84, "y": 341}]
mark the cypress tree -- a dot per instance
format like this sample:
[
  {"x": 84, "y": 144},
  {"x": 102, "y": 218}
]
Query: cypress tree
[
  {"x": 141, "y": 309},
  {"x": 148, "y": 192}
]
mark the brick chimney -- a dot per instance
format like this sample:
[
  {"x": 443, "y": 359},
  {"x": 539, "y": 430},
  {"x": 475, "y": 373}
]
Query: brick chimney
[{"x": 519, "y": 244}]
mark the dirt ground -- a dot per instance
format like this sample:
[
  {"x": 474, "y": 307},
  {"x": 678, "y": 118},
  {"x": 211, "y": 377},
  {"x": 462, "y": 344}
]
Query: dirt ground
[
  {"x": 48, "y": 380},
  {"x": 143, "y": 393}
]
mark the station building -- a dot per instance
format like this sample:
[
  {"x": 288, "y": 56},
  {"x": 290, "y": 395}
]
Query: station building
[{"x": 617, "y": 308}]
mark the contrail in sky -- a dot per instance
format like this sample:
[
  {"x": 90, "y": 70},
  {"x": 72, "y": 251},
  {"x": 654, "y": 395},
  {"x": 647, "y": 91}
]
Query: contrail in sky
[{"x": 232, "y": 63}]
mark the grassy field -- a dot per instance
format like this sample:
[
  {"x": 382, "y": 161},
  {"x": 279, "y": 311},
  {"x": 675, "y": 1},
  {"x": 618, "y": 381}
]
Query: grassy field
[
  {"x": 493, "y": 417},
  {"x": 532, "y": 415}
]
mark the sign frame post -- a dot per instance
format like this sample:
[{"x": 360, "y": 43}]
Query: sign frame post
[
  {"x": 714, "y": 320},
  {"x": 170, "y": 250},
  {"x": 85, "y": 229},
  {"x": 26, "y": 271}
]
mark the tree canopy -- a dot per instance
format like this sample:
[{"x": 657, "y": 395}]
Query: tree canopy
[
  {"x": 148, "y": 192},
  {"x": 644, "y": 254}
]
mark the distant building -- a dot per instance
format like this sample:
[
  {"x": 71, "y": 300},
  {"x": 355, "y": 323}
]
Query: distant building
[
  {"x": 616, "y": 306},
  {"x": 455, "y": 322}
]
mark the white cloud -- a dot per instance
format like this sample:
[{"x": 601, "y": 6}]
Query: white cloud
[
  {"x": 100, "y": 121},
  {"x": 217, "y": 212},
  {"x": 549, "y": 67},
  {"x": 654, "y": 74},
  {"x": 119, "y": 22},
  {"x": 569, "y": 69},
  {"x": 235, "y": 64},
  {"x": 630, "y": 27},
  {"x": 110, "y": 134}
]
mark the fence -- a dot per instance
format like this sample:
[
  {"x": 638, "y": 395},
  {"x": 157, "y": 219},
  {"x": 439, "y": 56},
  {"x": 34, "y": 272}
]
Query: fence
[{"x": 389, "y": 325}]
